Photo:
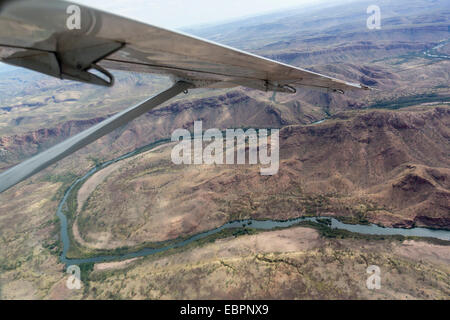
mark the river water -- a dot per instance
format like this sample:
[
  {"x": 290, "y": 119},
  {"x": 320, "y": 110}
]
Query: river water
[
  {"x": 254, "y": 224},
  {"x": 434, "y": 53}
]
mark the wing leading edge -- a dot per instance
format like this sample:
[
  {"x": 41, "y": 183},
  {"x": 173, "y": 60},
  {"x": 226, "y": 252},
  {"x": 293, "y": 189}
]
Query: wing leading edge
[{"x": 35, "y": 34}]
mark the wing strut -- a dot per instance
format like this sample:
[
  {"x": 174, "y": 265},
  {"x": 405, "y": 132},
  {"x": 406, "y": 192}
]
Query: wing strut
[{"x": 41, "y": 161}]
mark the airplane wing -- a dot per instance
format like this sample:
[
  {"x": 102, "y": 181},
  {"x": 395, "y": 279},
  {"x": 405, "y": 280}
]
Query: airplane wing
[{"x": 70, "y": 41}]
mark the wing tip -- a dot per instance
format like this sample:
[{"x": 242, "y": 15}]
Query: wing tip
[
  {"x": 367, "y": 88},
  {"x": 359, "y": 86}
]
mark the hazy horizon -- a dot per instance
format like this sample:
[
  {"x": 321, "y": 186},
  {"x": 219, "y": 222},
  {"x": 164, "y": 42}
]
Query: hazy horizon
[{"x": 176, "y": 14}]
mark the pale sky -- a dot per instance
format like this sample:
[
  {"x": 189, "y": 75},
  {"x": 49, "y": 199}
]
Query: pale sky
[{"x": 174, "y": 14}]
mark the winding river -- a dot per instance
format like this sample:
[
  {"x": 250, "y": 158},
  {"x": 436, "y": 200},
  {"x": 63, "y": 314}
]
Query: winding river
[
  {"x": 254, "y": 224},
  {"x": 434, "y": 52}
]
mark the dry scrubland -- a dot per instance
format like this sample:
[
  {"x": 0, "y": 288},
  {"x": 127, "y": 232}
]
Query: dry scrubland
[{"x": 289, "y": 264}]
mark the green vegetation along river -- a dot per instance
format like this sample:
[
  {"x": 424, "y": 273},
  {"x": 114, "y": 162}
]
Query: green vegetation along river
[{"x": 238, "y": 225}]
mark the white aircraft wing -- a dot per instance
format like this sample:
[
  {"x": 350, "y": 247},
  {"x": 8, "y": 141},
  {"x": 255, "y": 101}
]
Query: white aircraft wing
[
  {"x": 70, "y": 41},
  {"x": 67, "y": 41}
]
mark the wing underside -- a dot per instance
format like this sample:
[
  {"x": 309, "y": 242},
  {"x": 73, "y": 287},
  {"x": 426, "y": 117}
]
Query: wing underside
[{"x": 35, "y": 34}]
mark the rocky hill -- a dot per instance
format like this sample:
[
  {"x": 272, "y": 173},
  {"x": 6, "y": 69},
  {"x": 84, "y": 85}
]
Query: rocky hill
[{"x": 386, "y": 167}]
